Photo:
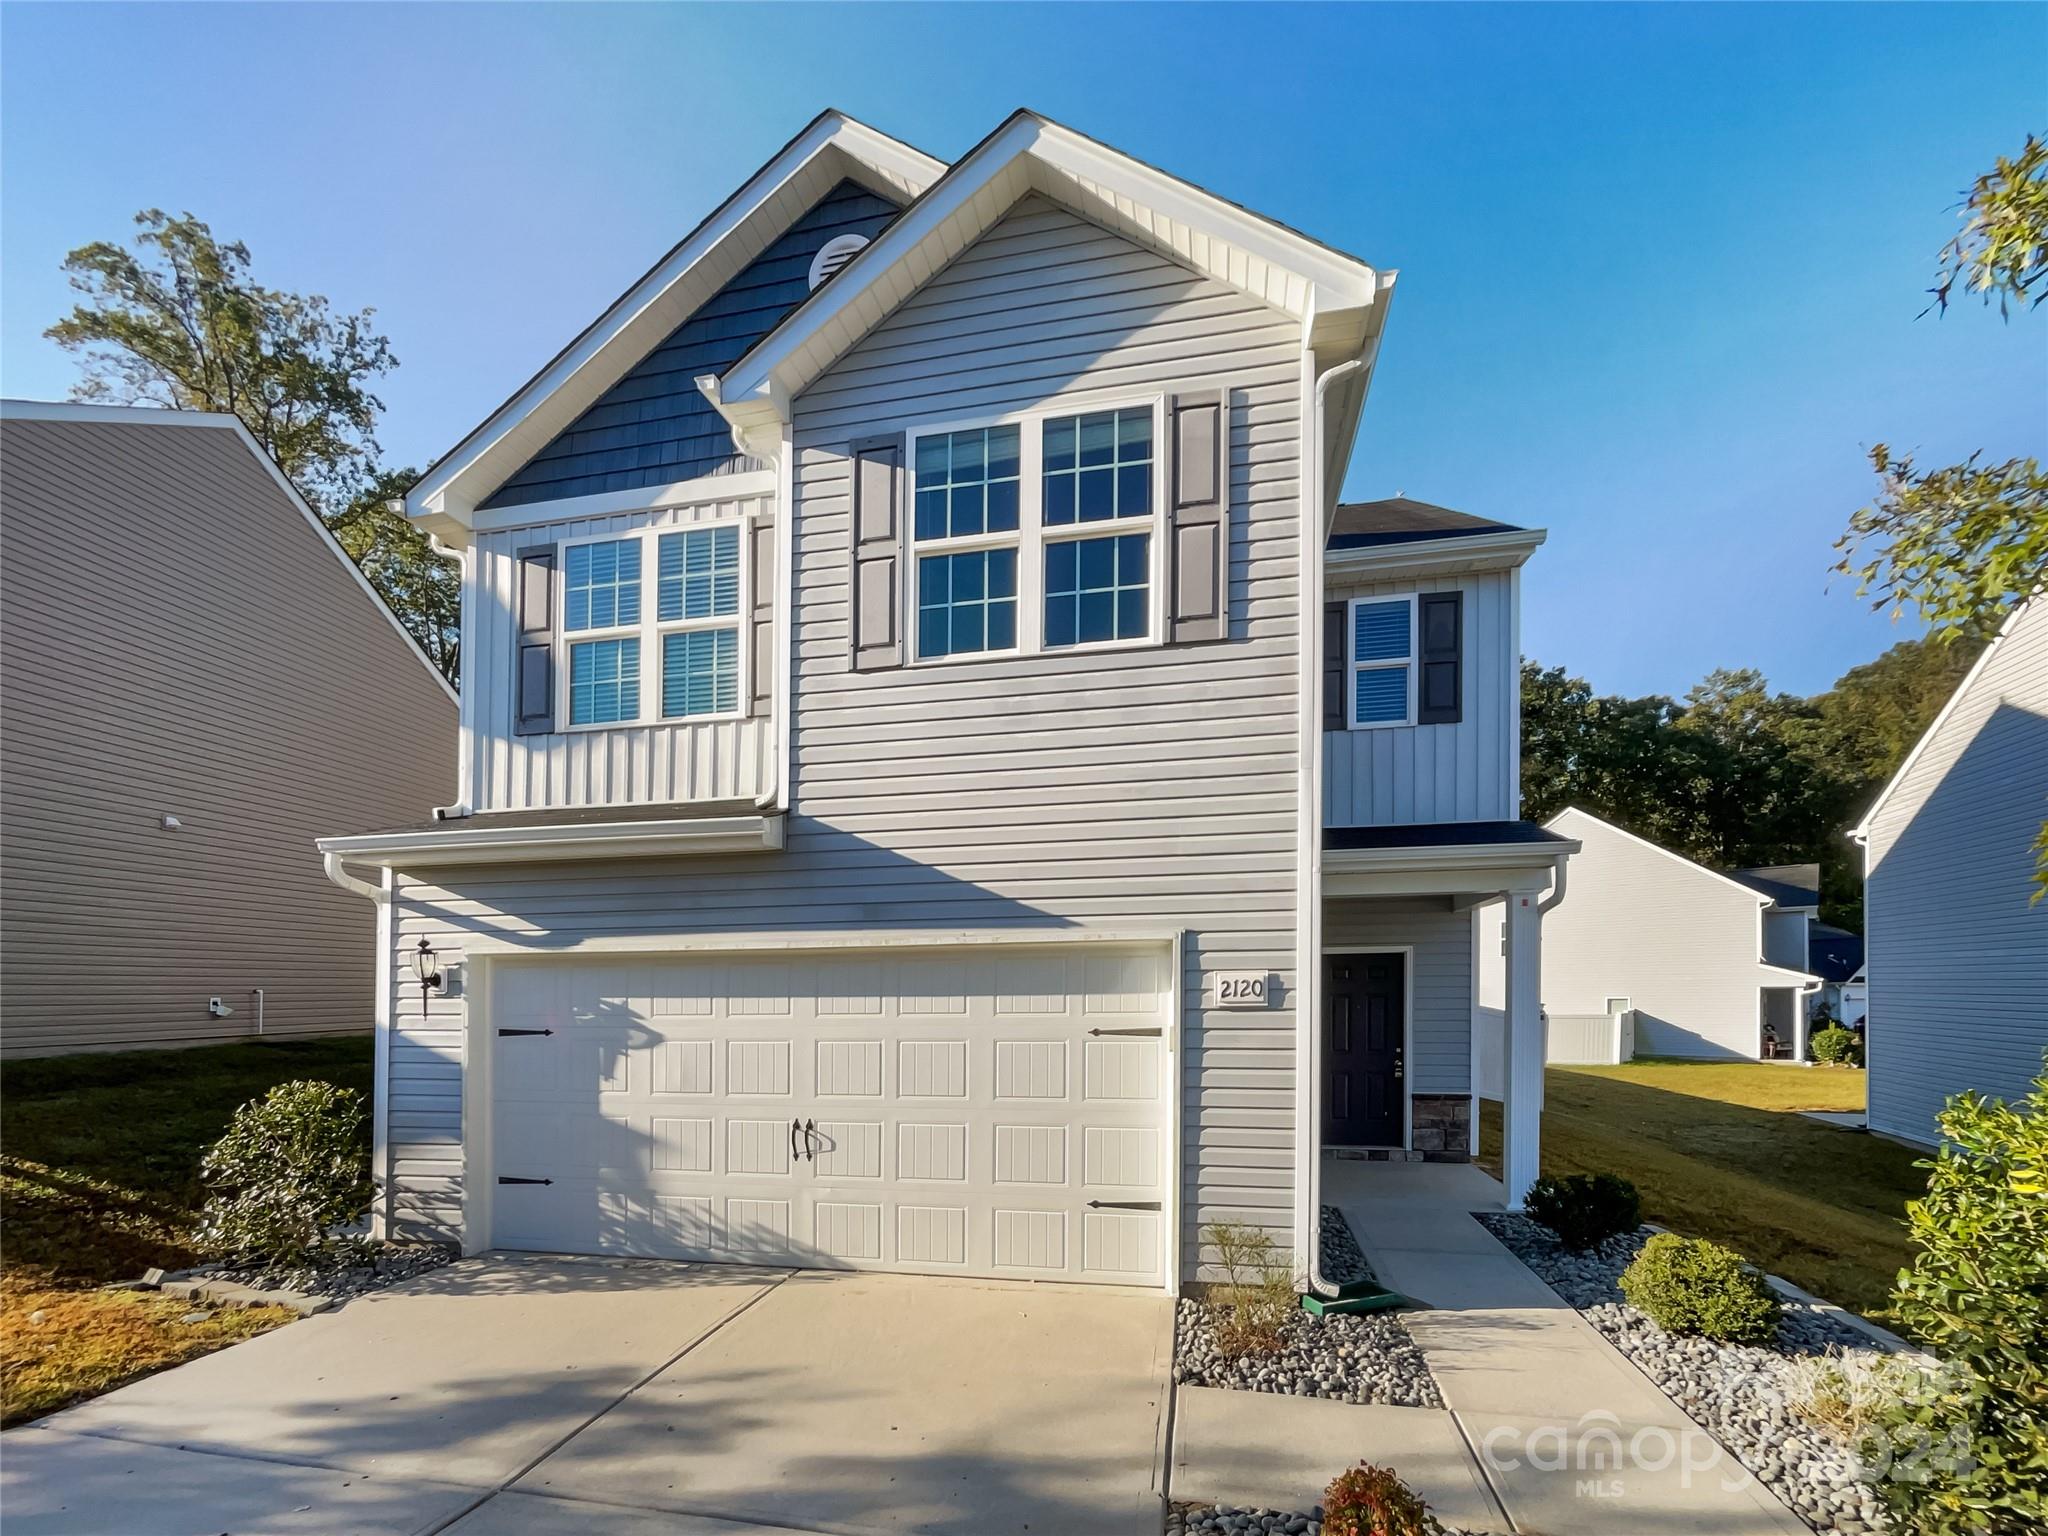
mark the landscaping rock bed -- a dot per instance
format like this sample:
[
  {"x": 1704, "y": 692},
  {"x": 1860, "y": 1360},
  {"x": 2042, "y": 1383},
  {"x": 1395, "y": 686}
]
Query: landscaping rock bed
[
  {"x": 354, "y": 1270},
  {"x": 1230, "y": 1520},
  {"x": 1735, "y": 1391},
  {"x": 1360, "y": 1357}
]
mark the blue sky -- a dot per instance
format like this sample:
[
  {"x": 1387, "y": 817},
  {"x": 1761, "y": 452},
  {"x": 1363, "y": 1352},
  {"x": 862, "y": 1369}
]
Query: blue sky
[{"x": 1660, "y": 267}]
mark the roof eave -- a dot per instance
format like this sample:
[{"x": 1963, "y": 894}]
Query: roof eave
[
  {"x": 1474, "y": 552},
  {"x": 525, "y": 845}
]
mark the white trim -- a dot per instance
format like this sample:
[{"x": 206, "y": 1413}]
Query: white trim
[
  {"x": 1407, "y": 954},
  {"x": 1353, "y": 666},
  {"x": 457, "y": 844},
  {"x": 1861, "y": 831},
  {"x": 380, "y": 1089},
  {"x": 1032, "y": 534},
  {"x": 1511, "y": 707},
  {"x": 651, "y": 628},
  {"x": 1510, "y": 548},
  {"x": 144, "y": 416},
  {"x": 704, "y": 490},
  {"x": 1453, "y": 860},
  {"x": 592, "y": 363},
  {"x": 480, "y": 950}
]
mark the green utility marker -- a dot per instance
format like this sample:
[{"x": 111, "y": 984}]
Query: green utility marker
[{"x": 1358, "y": 1296}]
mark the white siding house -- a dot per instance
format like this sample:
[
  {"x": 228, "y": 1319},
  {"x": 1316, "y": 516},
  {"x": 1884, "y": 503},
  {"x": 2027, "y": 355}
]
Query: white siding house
[
  {"x": 1957, "y": 949},
  {"x": 1709, "y": 964}
]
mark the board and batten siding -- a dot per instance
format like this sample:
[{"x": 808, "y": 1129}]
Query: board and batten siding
[
  {"x": 1153, "y": 786},
  {"x": 181, "y": 641},
  {"x": 1439, "y": 978},
  {"x": 1681, "y": 943},
  {"x": 1414, "y": 774},
  {"x": 646, "y": 764},
  {"x": 1957, "y": 949}
]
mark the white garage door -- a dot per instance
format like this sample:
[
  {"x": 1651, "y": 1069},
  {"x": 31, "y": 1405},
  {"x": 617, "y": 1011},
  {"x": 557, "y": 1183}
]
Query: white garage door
[{"x": 984, "y": 1112}]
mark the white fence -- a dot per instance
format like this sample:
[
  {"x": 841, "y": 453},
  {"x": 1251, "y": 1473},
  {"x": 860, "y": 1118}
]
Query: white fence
[{"x": 1569, "y": 1039}]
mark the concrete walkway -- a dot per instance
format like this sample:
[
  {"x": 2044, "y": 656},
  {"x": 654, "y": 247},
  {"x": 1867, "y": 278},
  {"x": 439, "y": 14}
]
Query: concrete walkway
[{"x": 1572, "y": 1439}]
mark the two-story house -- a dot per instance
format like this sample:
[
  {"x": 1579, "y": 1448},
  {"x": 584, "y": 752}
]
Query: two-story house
[{"x": 944, "y": 786}]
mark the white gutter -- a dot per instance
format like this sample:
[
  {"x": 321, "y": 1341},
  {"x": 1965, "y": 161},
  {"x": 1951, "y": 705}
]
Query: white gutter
[
  {"x": 1308, "y": 918},
  {"x": 336, "y": 870},
  {"x": 576, "y": 840},
  {"x": 1507, "y": 547}
]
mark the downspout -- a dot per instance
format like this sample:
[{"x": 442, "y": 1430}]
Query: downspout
[
  {"x": 380, "y": 1090},
  {"x": 337, "y": 871},
  {"x": 1309, "y": 832}
]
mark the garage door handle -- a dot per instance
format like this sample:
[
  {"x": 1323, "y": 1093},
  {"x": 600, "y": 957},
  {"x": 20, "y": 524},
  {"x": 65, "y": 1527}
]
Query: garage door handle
[
  {"x": 1126, "y": 1031},
  {"x": 795, "y": 1126},
  {"x": 810, "y": 1147},
  {"x": 526, "y": 1032},
  {"x": 503, "y": 1180},
  {"x": 1123, "y": 1205}
]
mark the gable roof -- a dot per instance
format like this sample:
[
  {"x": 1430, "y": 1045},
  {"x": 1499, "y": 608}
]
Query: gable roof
[
  {"x": 1833, "y": 954},
  {"x": 1340, "y": 300},
  {"x": 1712, "y": 874},
  {"x": 2013, "y": 620},
  {"x": 831, "y": 148},
  {"x": 1400, "y": 520},
  {"x": 82, "y": 414},
  {"x": 1789, "y": 885}
]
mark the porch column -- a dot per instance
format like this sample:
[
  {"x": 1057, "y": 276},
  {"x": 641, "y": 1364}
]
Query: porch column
[
  {"x": 1801, "y": 1023},
  {"x": 1522, "y": 1049}
]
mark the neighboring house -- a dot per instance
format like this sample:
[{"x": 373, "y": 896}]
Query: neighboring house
[
  {"x": 1958, "y": 948},
  {"x": 1836, "y": 956},
  {"x": 1709, "y": 965},
  {"x": 906, "y": 678},
  {"x": 194, "y": 670}
]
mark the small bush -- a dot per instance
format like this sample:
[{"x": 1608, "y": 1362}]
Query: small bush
[
  {"x": 1256, "y": 1302},
  {"x": 291, "y": 1167},
  {"x": 1372, "y": 1501},
  {"x": 1689, "y": 1285},
  {"x": 1971, "y": 1454},
  {"x": 1837, "y": 1047},
  {"x": 1585, "y": 1210},
  {"x": 1850, "y": 1393}
]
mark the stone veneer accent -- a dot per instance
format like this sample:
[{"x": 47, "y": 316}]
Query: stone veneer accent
[{"x": 1442, "y": 1124}]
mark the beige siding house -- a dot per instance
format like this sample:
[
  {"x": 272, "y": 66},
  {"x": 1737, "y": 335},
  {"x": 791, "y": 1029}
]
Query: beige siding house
[
  {"x": 197, "y": 683},
  {"x": 1956, "y": 947},
  {"x": 891, "y": 830}
]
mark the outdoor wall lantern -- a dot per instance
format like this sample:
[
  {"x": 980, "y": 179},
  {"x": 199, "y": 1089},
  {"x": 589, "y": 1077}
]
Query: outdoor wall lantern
[{"x": 426, "y": 971}]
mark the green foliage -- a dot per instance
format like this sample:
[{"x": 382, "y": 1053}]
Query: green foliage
[
  {"x": 2003, "y": 247},
  {"x": 1977, "y": 1295},
  {"x": 423, "y": 589},
  {"x": 1836, "y": 1046},
  {"x": 1584, "y": 1210},
  {"x": 1257, "y": 1297},
  {"x": 1689, "y": 1285},
  {"x": 289, "y": 1170},
  {"x": 1962, "y": 544},
  {"x": 1372, "y": 1501}
]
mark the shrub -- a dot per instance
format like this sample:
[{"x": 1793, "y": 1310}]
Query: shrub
[
  {"x": 291, "y": 1167},
  {"x": 1837, "y": 1047},
  {"x": 1689, "y": 1285},
  {"x": 1256, "y": 1302},
  {"x": 1371, "y": 1501},
  {"x": 1971, "y": 1455},
  {"x": 1585, "y": 1210},
  {"x": 1850, "y": 1394}
]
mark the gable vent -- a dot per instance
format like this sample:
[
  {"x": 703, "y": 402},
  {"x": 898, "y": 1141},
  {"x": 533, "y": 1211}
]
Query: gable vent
[{"x": 834, "y": 254}]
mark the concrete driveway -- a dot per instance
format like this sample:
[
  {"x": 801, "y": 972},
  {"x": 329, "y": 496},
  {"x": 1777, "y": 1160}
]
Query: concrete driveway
[{"x": 509, "y": 1395}]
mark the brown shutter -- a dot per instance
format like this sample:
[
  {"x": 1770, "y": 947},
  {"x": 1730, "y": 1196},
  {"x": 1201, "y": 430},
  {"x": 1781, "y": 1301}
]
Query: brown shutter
[
  {"x": 874, "y": 593},
  {"x": 760, "y": 617},
  {"x": 1198, "y": 518},
  {"x": 533, "y": 661},
  {"x": 1440, "y": 652},
  {"x": 1334, "y": 712}
]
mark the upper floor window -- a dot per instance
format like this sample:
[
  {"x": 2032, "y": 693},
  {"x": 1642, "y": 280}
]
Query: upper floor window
[
  {"x": 1036, "y": 534},
  {"x": 692, "y": 627},
  {"x": 1383, "y": 661}
]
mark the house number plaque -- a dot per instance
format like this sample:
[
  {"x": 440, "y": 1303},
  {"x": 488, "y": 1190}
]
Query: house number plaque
[{"x": 1240, "y": 989}]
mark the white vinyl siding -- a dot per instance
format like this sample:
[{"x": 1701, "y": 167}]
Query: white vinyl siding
[
  {"x": 651, "y": 760},
  {"x": 1408, "y": 774},
  {"x": 1077, "y": 789},
  {"x": 1958, "y": 951},
  {"x": 1439, "y": 978}
]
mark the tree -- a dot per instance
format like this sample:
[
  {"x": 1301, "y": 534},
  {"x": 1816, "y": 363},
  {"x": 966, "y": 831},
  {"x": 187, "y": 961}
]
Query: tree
[
  {"x": 423, "y": 589},
  {"x": 2003, "y": 247},
  {"x": 178, "y": 321}
]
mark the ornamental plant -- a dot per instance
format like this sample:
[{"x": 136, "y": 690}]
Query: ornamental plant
[
  {"x": 292, "y": 1167},
  {"x": 1584, "y": 1210},
  {"x": 1372, "y": 1501},
  {"x": 1690, "y": 1285},
  {"x": 1971, "y": 1456},
  {"x": 1256, "y": 1299},
  {"x": 1837, "y": 1047}
]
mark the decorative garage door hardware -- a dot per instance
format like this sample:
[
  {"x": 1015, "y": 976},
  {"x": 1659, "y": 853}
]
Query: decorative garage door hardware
[
  {"x": 526, "y": 1031},
  {"x": 1154, "y": 1032},
  {"x": 809, "y": 1130},
  {"x": 502, "y": 1179},
  {"x": 1123, "y": 1205}
]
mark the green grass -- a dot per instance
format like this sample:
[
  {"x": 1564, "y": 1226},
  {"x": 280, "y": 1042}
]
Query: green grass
[
  {"x": 99, "y": 1180},
  {"x": 1718, "y": 1151}
]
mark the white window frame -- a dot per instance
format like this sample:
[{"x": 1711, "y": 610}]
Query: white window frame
[
  {"x": 1353, "y": 666},
  {"x": 1033, "y": 535},
  {"x": 650, "y": 629}
]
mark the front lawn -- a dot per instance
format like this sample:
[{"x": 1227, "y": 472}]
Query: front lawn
[
  {"x": 1718, "y": 1151},
  {"x": 99, "y": 1180}
]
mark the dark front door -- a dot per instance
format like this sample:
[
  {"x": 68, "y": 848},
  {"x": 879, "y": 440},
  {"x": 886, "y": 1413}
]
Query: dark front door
[{"x": 1362, "y": 1063}]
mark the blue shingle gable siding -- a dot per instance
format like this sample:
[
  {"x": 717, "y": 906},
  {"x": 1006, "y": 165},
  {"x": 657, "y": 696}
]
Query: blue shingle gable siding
[{"x": 653, "y": 427}]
